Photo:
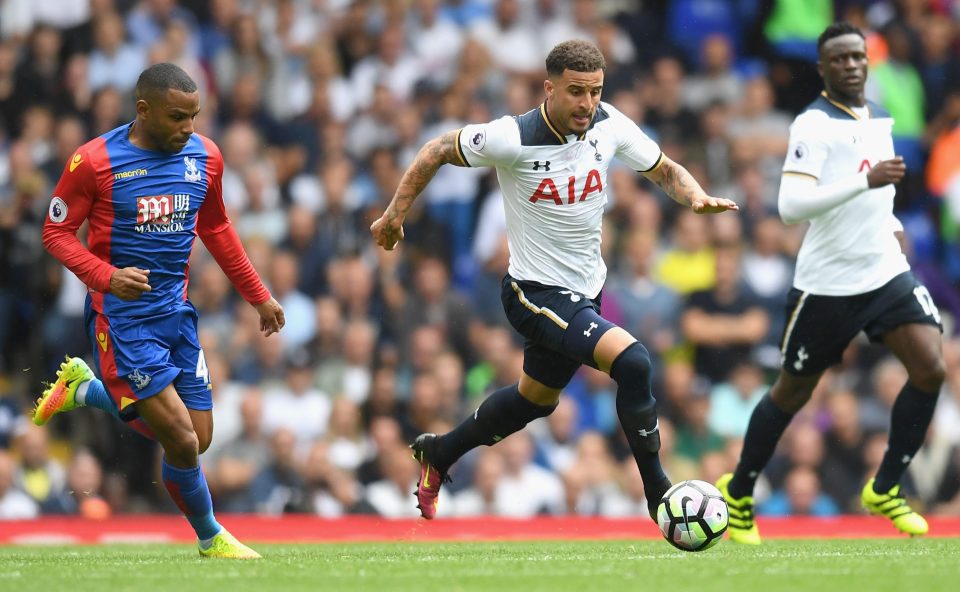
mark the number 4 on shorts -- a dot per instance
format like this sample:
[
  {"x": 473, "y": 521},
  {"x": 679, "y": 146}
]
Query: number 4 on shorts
[{"x": 202, "y": 371}]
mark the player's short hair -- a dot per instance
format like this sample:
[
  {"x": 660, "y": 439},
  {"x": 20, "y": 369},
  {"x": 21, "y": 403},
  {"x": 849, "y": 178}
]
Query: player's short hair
[
  {"x": 576, "y": 55},
  {"x": 162, "y": 77},
  {"x": 836, "y": 30}
]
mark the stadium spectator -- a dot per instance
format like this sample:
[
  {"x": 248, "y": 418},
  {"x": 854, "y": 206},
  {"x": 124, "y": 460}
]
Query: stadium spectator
[
  {"x": 483, "y": 497},
  {"x": 114, "y": 62},
  {"x": 83, "y": 493},
  {"x": 556, "y": 446},
  {"x": 800, "y": 496},
  {"x": 278, "y": 487},
  {"x": 726, "y": 323},
  {"x": 295, "y": 404},
  {"x": 843, "y": 468},
  {"x": 350, "y": 374},
  {"x": 530, "y": 489},
  {"x": 591, "y": 480},
  {"x": 14, "y": 503},
  {"x": 716, "y": 81},
  {"x": 284, "y": 282},
  {"x": 348, "y": 446},
  {"x": 37, "y": 474},
  {"x": 651, "y": 310},
  {"x": 390, "y": 496},
  {"x": 732, "y": 401},
  {"x": 688, "y": 265},
  {"x": 508, "y": 40},
  {"x": 12, "y": 421},
  {"x": 234, "y": 465}
]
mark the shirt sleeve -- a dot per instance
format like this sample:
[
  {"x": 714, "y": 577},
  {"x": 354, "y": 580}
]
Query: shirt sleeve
[
  {"x": 489, "y": 144},
  {"x": 808, "y": 148},
  {"x": 221, "y": 239},
  {"x": 634, "y": 147},
  {"x": 70, "y": 205}
]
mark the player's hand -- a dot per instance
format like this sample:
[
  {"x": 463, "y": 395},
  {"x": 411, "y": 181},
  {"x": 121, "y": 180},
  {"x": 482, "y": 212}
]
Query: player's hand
[
  {"x": 271, "y": 317},
  {"x": 129, "y": 283},
  {"x": 887, "y": 172},
  {"x": 713, "y": 205},
  {"x": 387, "y": 230}
]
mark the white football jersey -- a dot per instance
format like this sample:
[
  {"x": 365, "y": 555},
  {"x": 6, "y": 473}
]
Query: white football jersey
[
  {"x": 851, "y": 248},
  {"x": 555, "y": 189}
]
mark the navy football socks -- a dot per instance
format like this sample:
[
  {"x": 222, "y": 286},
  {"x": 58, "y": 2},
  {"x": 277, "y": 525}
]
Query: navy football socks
[
  {"x": 909, "y": 420},
  {"x": 767, "y": 424}
]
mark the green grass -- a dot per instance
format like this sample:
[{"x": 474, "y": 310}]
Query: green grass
[{"x": 903, "y": 565}]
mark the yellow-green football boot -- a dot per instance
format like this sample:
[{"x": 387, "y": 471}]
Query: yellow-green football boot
[
  {"x": 226, "y": 546},
  {"x": 741, "y": 528},
  {"x": 892, "y": 505}
]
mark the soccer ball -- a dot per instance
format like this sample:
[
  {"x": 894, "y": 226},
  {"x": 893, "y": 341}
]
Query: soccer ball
[{"x": 692, "y": 515}]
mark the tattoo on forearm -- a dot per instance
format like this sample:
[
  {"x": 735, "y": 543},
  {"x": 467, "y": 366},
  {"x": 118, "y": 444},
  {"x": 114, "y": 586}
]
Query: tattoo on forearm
[
  {"x": 433, "y": 155},
  {"x": 678, "y": 183}
]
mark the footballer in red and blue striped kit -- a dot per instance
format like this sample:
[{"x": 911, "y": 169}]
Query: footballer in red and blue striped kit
[{"x": 148, "y": 189}]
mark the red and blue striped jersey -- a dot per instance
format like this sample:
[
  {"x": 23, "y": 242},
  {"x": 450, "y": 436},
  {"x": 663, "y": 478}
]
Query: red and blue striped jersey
[{"x": 145, "y": 209}]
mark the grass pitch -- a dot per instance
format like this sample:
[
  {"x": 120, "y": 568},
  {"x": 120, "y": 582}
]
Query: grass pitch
[{"x": 904, "y": 565}]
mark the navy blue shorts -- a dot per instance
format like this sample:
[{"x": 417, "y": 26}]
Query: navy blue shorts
[
  {"x": 542, "y": 314},
  {"x": 819, "y": 328},
  {"x": 137, "y": 358}
]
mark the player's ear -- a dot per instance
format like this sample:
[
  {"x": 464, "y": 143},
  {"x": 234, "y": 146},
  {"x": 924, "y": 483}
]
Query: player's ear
[
  {"x": 143, "y": 108},
  {"x": 548, "y": 87}
]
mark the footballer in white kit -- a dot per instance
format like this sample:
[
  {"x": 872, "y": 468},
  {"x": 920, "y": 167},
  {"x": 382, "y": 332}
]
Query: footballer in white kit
[
  {"x": 552, "y": 167},
  {"x": 852, "y": 276}
]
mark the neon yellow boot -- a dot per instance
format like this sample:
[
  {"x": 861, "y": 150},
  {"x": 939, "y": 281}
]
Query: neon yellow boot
[
  {"x": 226, "y": 546},
  {"x": 892, "y": 505},
  {"x": 741, "y": 528}
]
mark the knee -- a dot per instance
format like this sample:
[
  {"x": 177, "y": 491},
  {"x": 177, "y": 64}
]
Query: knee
[
  {"x": 633, "y": 364},
  {"x": 182, "y": 446},
  {"x": 631, "y": 371},
  {"x": 929, "y": 376}
]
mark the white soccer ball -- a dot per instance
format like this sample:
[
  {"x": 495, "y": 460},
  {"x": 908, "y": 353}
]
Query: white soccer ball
[{"x": 692, "y": 515}]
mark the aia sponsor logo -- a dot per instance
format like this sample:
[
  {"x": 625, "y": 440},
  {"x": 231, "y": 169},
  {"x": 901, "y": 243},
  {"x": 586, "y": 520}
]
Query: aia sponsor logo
[
  {"x": 155, "y": 209},
  {"x": 549, "y": 191}
]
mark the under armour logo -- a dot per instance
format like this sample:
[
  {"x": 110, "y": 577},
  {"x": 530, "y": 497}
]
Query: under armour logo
[
  {"x": 574, "y": 297},
  {"x": 592, "y": 327},
  {"x": 644, "y": 433},
  {"x": 545, "y": 165},
  {"x": 802, "y": 356},
  {"x": 596, "y": 152}
]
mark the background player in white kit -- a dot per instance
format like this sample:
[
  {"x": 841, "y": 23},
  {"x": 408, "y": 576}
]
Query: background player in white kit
[
  {"x": 552, "y": 167},
  {"x": 851, "y": 276}
]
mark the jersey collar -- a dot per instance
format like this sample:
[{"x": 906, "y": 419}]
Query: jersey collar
[
  {"x": 556, "y": 132},
  {"x": 843, "y": 107},
  {"x": 553, "y": 129}
]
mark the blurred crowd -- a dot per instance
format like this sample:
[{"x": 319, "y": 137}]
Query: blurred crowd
[{"x": 319, "y": 105}]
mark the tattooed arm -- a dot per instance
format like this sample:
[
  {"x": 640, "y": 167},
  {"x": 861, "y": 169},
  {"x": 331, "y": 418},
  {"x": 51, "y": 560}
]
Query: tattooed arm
[
  {"x": 388, "y": 229},
  {"x": 681, "y": 187}
]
